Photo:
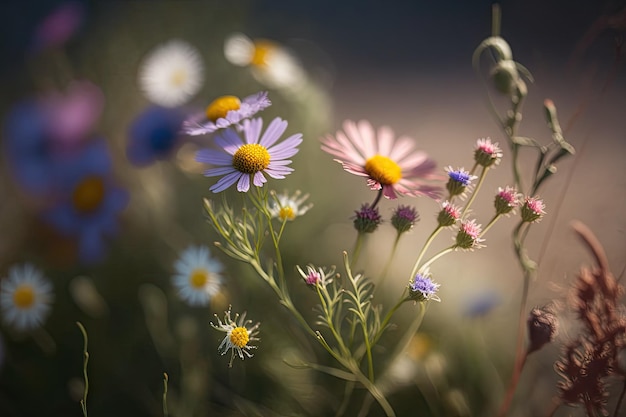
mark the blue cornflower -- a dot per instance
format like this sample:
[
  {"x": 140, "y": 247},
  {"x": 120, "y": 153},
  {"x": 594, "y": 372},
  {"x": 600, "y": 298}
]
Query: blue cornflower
[
  {"x": 422, "y": 288},
  {"x": 153, "y": 135},
  {"x": 89, "y": 201},
  {"x": 458, "y": 181}
]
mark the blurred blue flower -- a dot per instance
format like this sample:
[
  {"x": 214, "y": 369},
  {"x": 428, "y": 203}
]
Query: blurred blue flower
[
  {"x": 153, "y": 135},
  {"x": 481, "y": 304},
  {"x": 89, "y": 203}
]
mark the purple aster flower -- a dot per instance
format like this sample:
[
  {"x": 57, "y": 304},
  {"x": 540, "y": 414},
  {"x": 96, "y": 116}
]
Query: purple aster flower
[
  {"x": 458, "y": 181},
  {"x": 89, "y": 204},
  {"x": 532, "y": 209},
  {"x": 224, "y": 112},
  {"x": 388, "y": 164},
  {"x": 244, "y": 161},
  {"x": 367, "y": 219},
  {"x": 448, "y": 215},
  {"x": 403, "y": 218},
  {"x": 468, "y": 236},
  {"x": 422, "y": 287},
  {"x": 487, "y": 153},
  {"x": 153, "y": 135},
  {"x": 506, "y": 200}
]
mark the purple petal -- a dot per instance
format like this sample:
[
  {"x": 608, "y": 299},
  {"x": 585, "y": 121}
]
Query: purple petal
[
  {"x": 244, "y": 183},
  {"x": 225, "y": 182},
  {"x": 273, "y": 132},
  {"x": 214, "y": 157}
]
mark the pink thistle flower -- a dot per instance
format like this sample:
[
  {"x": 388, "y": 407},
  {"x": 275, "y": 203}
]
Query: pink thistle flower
[
  {"x": 487, "y": 153},
  {"x": 468, "y": 236},
  {"x": 448, "y": 215},
  {"x": 388, "y": 164},
  {"x": 532, "y": 209},
  {"x": 507, "y": 199}
]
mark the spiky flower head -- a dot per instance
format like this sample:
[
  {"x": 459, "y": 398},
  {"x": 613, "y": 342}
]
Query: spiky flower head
[
  {"x": 542, "y": 328},
  {"x": 404, "y": 218},
  {"x": 507, "y": 199},
  {"x": 239, "y": 333},
  {"x": 448, "y": 215},
  {"x": 422, "y": 287},
  {"x": 286, "y": 207},
  {"x": 532, "y": 209},
  {"x": 468, "y": 236},
  {"x": 459, "y": 181},
  {"x": 367, "y": 219},
  {"x": 316, "y": 276},
  {"x": 487, "y": 153}
]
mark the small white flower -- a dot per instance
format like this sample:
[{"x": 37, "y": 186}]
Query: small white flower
[
  {"x": 171, "y": 74},
  {"x": 239, "y": 49},
  {"x": 197, "y": 276},
  {"x": 287, "y": 207},
  {"x": 25, "y": 297},
  {"x": 239, "y": 333}
]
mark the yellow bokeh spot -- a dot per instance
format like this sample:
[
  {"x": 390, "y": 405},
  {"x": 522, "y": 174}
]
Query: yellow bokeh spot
[
  {"x": 198, "y": 278},
  {"x": 24, "y": 296},
  {"x": 251, "y": 158},
  {"x": 239, "y": 337},
  {"x": 262, "y": 48},
  {"x": 286, "y": 213},
  {"x": 383, "y": 170},
  {"x": 219, "y": 108},
  {"x": 88, "y": 194}
]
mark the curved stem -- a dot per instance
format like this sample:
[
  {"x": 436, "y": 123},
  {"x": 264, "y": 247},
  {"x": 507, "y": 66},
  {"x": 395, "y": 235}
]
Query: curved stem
[
  {"x": 439, "y": 255},
  {"x": 517, "y": 371},
  {"x": 377, "y": 199},
  {"x": 481, "y": 179},
  {"x": 358, "y": 244},
  {"x": 423, "y": 251},
  {"x": 491, "y": 223},
  {"x": 389, "y": 315}
]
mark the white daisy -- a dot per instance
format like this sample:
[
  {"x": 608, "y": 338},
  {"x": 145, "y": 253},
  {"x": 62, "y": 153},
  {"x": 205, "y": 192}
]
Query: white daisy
[
  {"x": 287, "y": 207},
  {"x": 171, "y": 74},
  {"x": 197, "y": 276},
  {"x": 25, "y": 297},
  {"x": 239, "y": 333}
]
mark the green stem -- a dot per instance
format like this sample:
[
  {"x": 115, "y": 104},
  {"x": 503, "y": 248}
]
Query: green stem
[
  {"x": 439, "y": 255},
  {"x": 389, "y": 315},
  {"x": 165, "y": 380},
  {"x": 495, "y": 20},
  {"x": 491, "y": 223},
  {"x": 423, "y": 251},
  {"x": 481, "y": 179},
  {"x": 358, "y": 244},
  {"x": 391, "y": 256},
  {"x": 83, "y": 401}
]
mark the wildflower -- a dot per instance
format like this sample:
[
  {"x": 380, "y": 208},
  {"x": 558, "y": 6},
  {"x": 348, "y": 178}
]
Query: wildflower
[
  {"x": 448, "y": 215},
  {"x": 458, "y": 181},
  {"x": 239, "y": 334},
  {"x": 367, "y": 219},
  {"x": 487, "y": 153},
  {"x": 403, "y": 218},
  {"x": 317, "y": 276},
  {"x": 422, "y": 287},
  {"x": 153, "y": 135},
  {"x": 271, "y": 63},
  {"x": 171, "y": 74},
  {"x": 25, "y": 297},
  {"x": 226, "y": 111},
  {"x": 197, "y": 276},
  {"x": 287, "y": 207},
  {"x": 245, "y": 161},
  {"x": 542, "y": 328},
  {"x": 468, "y": 236},
  {"x": 532, "y": 209},
  {"x": 506, "y": 200},
  {"x": 388, "y": 164},
  {"x": 481, "y": 304},
  {"x": 89, "y": 201}
]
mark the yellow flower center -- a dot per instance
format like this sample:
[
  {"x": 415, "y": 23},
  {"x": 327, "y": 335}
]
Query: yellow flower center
[
  {"x": 198, "y": 278},
  {"x": 219, "y": 108},
  {"x": 261, "y": 50},
  {"x": 24, "y": 296},
  {"x": 178, "y": 77},
  {"x": 286, "y": 213},
  {"x": 383, "y": 170},
  {"x": 239, "y": 337},
  {"x": 88, "y": 194},
  {"x": 251, "y": 158}
]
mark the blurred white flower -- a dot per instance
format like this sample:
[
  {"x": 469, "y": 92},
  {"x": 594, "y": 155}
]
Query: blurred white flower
[
  {"x": 171, "y": 74},
  {"x": 197, "y": 276},
  {"x": 25, "y": 297}
]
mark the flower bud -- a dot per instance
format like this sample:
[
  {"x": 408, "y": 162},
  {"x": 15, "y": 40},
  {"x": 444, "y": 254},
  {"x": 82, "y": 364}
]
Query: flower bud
[
  {"x": 404, "y": 218},
  {"x": 448, "y": 215},
  {"x": 532, "y": 209},
  {"x": 468, "y": 236},
  {"x": 487, "y": 153},
  {"x": 458, "y": 181},
  {"x": 506, "y": 200},
  {"x": 505, "y": 76},
  {"x": 542, "y": 328},
  {"x": 367, "y": 219}
]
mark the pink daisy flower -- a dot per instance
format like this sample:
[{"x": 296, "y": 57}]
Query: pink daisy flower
[
  {"x": 388, "y": 164},
  {"x": 244, "y": 161},
  {"x": 533, "y": 209},
  {"x": 468, "y": 236}
]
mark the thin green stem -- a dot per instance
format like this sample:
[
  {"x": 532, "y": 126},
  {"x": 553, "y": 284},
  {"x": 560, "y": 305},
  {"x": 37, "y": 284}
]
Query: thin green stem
[
  {"x": 83, "y": 401},
  {"x": 438, "y": 255},
  {"x": 481, "y": 179},
  {"x": 495, "y": 19},
  {"x": 493, "y": 220},
  {"x": 389, "y": 315},
  {"x": 358, "y": 244},
  {"x": 165, "y": 380},
  {"x": 391, "y": 256},
  {"x": 347, "y": 395},
  {"x": 423, "y": 251}
]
